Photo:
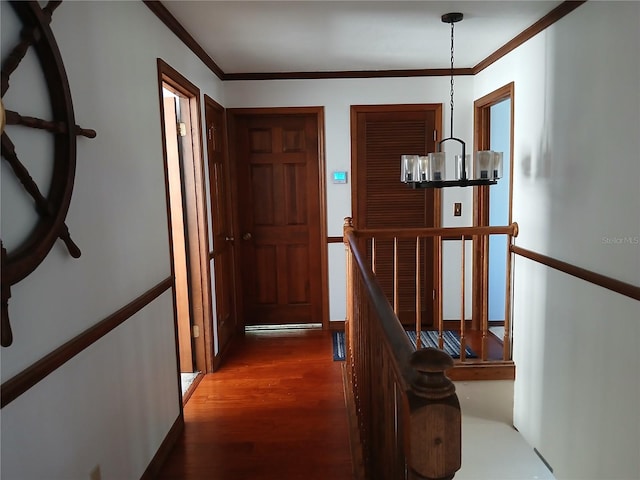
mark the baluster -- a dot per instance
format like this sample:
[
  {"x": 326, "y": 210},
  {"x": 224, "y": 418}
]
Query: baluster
[
  {"x": 373, "y": 255},
  {"x": 439, "y": 295},
  {"x": 351, "y": 293},
  {"x": 397, "y": 432},
  {"x": 418, "y": 306},
  {"x": 396, "y": 299},
  {"x": 506, "y": 338},
  {"x": 485, "y": 297},
  {"x": 462, "y": 300},
  {"x": 358, "y": 359}
]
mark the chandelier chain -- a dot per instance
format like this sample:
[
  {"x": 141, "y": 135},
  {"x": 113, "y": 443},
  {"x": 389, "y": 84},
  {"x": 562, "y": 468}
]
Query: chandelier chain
[{"x": 451, "y": 129}]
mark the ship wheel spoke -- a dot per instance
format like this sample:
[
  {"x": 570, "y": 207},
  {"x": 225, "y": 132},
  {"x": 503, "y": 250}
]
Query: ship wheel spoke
[
  {"x": 42, "y": 205},
  {"x": 49, "y": 8},
  {"x": 14, "y": 118},
  {"x": 21, "y": 172},
  {"x": 29, "y": 35}
]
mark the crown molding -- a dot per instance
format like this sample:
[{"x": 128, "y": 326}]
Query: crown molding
[
  {"x": 432, "y": 72},
  {"x": 176, "y": 27},
  {"x": 172, "y": 23},
  {"x": 549, "y": 19}
]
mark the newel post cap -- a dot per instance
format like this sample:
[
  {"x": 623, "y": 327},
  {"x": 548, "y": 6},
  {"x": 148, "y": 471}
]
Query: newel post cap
[{"x": 431, "y": 381}]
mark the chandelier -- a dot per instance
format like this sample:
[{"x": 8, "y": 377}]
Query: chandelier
[{"x": 428, "y": 171}]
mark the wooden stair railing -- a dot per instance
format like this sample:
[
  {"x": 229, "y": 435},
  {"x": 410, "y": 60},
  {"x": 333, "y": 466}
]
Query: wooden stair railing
[
  {"x": 439, "y": 236},
  {"x": 408, "y": 412}
]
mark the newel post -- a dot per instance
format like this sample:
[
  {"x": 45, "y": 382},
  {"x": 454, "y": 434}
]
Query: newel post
[
  {"x": 348, "y": 327},
  {"x": 435, "y": 431}
]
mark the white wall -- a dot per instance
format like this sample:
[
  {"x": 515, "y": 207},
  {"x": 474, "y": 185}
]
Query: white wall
[
  {"x": 576, "y": 198},
  {"x": 577, "y": 88},
  {"x": 337, "y": 96},
  {"x": 113, "y": 404}
]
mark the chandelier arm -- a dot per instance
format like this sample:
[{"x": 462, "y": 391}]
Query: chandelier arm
[{"x": 463, "y": 173}]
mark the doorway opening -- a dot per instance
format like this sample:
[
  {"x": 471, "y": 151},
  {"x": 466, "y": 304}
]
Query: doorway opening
[
  {"x": 184, "y": 175},
  {"x": 494, "y": 130},
  {"x": 499, "y": 132}
]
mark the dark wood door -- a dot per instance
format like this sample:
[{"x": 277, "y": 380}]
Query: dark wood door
[
  {"x": 381, "y": 134},
  {"x": 279, "y": 217},
  {"x": 222, "y": 252}
]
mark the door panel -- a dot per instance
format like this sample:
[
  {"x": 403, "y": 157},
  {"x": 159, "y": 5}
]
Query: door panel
[
  {"x": 383, "y": 134},
  {"x": 180, "y": 266},
  {"x": 279, "y": 218},
  {"x": 222, "y": 229}
]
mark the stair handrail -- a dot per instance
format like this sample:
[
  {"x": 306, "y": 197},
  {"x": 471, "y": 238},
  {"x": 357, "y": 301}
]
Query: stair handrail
[{"x": 427, "y": 428}]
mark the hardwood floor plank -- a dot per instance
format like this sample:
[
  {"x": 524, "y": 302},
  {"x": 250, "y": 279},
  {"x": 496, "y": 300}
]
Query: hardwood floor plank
[{"x": 275, "y": 410}]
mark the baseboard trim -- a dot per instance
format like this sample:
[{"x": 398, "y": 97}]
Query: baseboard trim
[
  {"x": 544, "y": 460},
  {"x": 192, "y": 388},
  {"x": 490, "y": 370},
  {"x": 163, "y": 452},
  {"x": 336, "y": 325}
]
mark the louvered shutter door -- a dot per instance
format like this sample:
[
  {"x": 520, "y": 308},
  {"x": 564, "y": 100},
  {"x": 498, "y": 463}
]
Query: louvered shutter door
[{"x": 384, "y": 202}]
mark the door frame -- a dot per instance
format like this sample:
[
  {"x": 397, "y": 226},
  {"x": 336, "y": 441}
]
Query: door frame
[
  {"x": 196, "y": 231},
  {"x": 232, "y": 115},
  {"x": 481, "y": 141}
]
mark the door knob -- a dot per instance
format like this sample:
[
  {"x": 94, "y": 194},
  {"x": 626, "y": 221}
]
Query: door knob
[
  {"x": 229, "y": 239},
  {"x": 247, "y": 236}
]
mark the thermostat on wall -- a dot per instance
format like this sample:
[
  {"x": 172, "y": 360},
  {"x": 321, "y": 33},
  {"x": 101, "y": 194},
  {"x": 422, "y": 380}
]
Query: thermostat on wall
[{"x": 339, "y": 176}]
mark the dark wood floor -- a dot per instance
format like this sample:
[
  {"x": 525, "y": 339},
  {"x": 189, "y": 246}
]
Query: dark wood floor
[{"x": 274, "y": 410}]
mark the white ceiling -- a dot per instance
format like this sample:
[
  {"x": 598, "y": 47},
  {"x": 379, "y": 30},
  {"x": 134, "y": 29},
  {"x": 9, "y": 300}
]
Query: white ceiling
[{"x": 337, "y": 35}]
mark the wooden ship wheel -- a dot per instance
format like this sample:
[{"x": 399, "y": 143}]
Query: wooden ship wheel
[{"x": 51, "y": 208}]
